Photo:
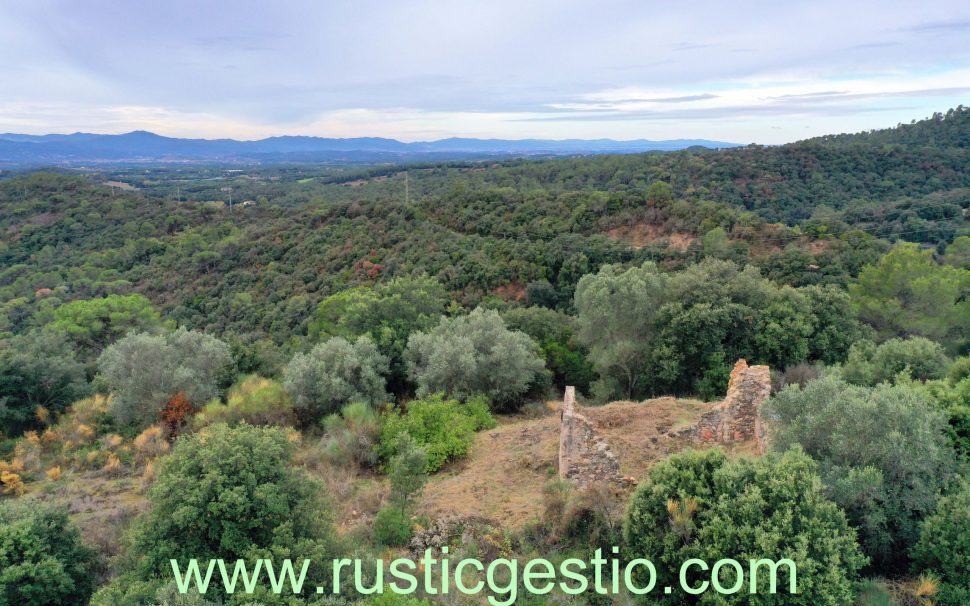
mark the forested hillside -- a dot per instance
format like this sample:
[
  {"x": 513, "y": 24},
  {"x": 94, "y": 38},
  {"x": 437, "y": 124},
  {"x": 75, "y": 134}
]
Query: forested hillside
[{"x": 360, "y": 326}]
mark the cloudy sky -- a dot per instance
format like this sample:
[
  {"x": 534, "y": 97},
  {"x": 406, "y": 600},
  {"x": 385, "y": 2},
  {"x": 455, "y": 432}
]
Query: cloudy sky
[{"x": 768, "y": 71}]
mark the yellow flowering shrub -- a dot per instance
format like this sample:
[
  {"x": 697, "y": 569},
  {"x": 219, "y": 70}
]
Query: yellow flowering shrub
[{"x": 12, "y": 483}]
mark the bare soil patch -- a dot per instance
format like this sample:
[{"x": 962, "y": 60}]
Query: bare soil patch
[{"x": 503, "y": 476}]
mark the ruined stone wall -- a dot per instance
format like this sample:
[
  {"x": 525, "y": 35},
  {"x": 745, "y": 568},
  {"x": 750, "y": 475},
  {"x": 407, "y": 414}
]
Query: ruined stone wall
[
  {"x": 737, "y": 418},
  {"x": 584, "y": 457}
]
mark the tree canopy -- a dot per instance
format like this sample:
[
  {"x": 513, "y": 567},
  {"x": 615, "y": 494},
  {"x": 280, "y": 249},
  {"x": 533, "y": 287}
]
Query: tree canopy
[
  {"x": 684, "y": 330},
  {"x": 907, "y": 293},
  {"x": 473, "y": 355},
  {"x": 336, "y": 373},
  {"x": 701, "y": 505},
  {"x": 882, "y": 453},
  {"x": 43, "y": 561},
  {"x": 228, "y": 493},
  {"x": 145, "y": 370}
]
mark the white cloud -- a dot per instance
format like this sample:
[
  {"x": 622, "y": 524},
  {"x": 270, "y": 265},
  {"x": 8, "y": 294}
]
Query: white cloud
[{"x": 746, "y": 70}]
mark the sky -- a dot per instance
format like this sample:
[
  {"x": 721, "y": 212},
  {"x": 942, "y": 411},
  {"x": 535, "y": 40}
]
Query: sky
[{"x": 766, "y": 71}]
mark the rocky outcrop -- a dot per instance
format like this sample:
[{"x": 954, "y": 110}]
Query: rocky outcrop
[
  {"x": 737, "y": 418},
  {"x": 584, "y": 456}
]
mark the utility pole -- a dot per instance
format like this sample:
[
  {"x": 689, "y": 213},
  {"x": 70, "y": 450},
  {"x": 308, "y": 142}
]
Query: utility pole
[
  {"x": 178, "y": 194},
  {"x": 230, "y": 200},
  {"x": 407, "y": 188}
]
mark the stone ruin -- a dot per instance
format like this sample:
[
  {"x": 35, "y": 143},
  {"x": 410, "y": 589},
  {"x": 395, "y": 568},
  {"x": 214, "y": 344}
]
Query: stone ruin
[
  {"x": 737, "y": 418},
  {"x": 585, "y": 457}
]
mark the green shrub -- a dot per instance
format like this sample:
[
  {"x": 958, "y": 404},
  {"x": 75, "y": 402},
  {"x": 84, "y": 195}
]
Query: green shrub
[
  {"x": 959, "y": 370},
  {"x": 43, "y": 561},
  {"x": 916, "y": 357},
  {"x": 407, "y": 471},
  {"x": 37, "y": 369},
  {"x": 445, "y": 429},
  {"x": 882, "y": 451},
  {"x": 253, "y": 400},
  {"x": 392, "y": 527},
  {"x": 229, "y": 493},
  {"x": 478, "y": 409},
  {"x": 944, "y": 547},
  {"x": 874, "y": 593},
  {"x": 351, "y": 436},
  {"x": 712, "y": 385},
  {"x": 953, "y": 399},
  {"x": 700, "y": 505}
]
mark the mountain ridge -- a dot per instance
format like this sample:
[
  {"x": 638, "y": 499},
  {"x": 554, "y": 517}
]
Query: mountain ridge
[{"x": 144, "y": 146}]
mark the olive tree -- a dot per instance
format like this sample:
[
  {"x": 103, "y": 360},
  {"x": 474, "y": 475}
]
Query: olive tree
[
  {"x": 388, "y": 312},
  {"x": 144, "y": 371},
  {"x": 333, "y": 374},
  {"x": 473, "y": 354}
]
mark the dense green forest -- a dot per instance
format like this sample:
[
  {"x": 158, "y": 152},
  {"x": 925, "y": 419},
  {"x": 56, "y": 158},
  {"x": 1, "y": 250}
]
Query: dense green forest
[{"x": 356, "y": 327}]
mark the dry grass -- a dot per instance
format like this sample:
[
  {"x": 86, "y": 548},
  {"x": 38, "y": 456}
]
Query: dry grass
[
  {"x": 636, "y": 430},
  {"x": 102, "y": 506},
  {"x": 356, "y": 493},
  {"x": 503, "y": 475},
  {"x": 508, "y": 467}
]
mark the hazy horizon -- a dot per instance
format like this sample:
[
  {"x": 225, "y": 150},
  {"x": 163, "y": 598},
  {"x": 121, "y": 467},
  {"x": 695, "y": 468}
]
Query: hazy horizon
[
  {"x": 753, "y": 71},
  {"x": 129, "y": 132}
]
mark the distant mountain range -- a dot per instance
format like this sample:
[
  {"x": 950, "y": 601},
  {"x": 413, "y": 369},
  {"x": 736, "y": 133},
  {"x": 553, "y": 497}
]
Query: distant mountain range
[{"x": 145, "y": 147}]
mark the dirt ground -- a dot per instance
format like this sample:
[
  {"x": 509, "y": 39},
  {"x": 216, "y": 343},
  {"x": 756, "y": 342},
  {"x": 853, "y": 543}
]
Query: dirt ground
[
  {"x": 642, "y": 234},
  {"x": 504, "y": 474}
]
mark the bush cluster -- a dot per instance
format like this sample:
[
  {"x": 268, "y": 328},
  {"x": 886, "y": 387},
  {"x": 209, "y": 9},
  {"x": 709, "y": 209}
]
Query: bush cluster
[{"x": 444, "y": 428}]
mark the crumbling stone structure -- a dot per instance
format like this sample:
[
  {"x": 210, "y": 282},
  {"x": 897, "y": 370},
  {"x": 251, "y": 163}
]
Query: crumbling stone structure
[
  {"x": 584, "y": 456},
  {"x": 737, "y": 418}
]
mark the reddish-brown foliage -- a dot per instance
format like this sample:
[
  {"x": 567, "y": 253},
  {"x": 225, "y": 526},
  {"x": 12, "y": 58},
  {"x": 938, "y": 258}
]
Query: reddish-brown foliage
[{"x": 175, "y": 413}]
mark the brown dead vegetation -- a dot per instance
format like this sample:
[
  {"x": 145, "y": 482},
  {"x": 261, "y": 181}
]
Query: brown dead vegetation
[
  {"x": 510, "y": 292},
  {"x": 639, "y": 235}
]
